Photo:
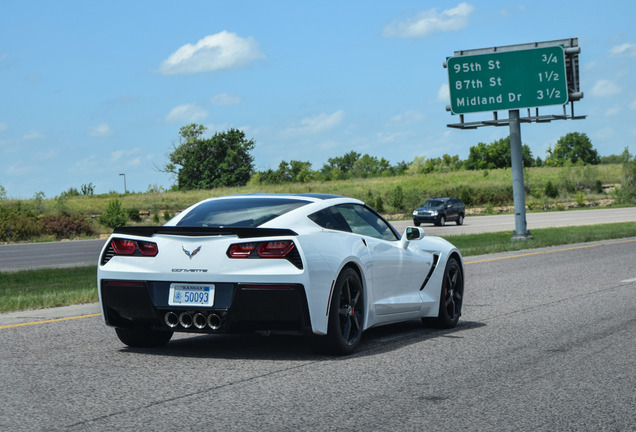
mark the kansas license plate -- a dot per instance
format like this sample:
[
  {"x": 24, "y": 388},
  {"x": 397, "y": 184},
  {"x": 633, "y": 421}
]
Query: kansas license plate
[{"x": 191, "y": 295}]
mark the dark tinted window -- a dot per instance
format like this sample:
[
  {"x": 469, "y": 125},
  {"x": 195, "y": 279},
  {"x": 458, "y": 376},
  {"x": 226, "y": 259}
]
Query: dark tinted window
[
  {"x": 330, "y": 218},
  {"x": 354, "y": 218},
  {"x": 239, "y": 212}
]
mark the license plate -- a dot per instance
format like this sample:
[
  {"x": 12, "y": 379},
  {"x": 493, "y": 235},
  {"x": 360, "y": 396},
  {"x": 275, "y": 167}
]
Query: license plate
[{"x": 191, "y": 295}]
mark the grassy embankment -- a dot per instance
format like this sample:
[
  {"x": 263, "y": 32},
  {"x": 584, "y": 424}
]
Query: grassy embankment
[
  {"x": 490, "y": 192},
  {"x": 33, "y": 289}
]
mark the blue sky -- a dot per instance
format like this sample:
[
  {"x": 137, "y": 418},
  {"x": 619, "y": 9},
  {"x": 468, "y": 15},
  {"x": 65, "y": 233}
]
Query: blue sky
[{"x": 90, "y": 90}]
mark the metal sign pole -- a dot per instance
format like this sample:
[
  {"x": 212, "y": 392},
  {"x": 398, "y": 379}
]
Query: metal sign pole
[{"x": 518, "y": 190}]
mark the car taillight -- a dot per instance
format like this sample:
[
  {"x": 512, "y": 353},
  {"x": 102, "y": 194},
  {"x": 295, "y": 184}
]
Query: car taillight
[
  {"x": 268, "y": 249},
  {"x": 275, "y": 249},
  {"x": 132, "y": 247},
  {"x": 123, "y": 246},
  {"x": 147, "y": 248},
  {"x": 241, "y": 250}
]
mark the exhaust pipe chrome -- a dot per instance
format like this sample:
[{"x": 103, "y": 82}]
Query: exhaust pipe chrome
[
  {"x": 171, "y": 319},
  {"x": 185, "y": 319},
  {"x": 214, "y": 321},
  {"x": 199, "y": 320}
]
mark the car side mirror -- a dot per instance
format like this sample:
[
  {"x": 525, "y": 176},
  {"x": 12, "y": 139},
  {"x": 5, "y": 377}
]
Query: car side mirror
[{"x": 410, "y": 234}]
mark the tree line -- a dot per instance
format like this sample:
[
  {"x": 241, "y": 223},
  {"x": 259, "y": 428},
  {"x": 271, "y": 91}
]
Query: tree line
[{"x": 225, "y": 160}]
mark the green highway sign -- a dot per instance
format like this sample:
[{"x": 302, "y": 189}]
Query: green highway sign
[{"x": 507, "y": 80}]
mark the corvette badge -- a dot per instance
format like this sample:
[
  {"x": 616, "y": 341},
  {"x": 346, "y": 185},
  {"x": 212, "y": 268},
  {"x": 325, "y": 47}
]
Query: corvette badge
[{"x": 191, "y": 254}]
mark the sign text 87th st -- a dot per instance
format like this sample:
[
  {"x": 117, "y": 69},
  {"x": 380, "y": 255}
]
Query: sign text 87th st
[{"x": 507, "y": 80}]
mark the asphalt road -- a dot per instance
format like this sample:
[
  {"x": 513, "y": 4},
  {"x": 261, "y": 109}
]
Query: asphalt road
[
  {"x": 547, "y": 342},
  {"x": 86, "y": 252}
]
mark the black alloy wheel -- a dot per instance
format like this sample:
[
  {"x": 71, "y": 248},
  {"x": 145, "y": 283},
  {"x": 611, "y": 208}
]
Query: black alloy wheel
[
  {"x": 452, "y": 294},
  {"x": 346, "y": 314}
]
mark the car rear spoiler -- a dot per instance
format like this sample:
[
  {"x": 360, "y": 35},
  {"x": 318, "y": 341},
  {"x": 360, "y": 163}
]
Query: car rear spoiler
[{"x": 240, "y": 232}]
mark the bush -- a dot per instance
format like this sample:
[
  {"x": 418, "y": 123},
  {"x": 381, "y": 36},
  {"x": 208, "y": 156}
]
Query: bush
[
  {"x": 114, "y": 216},
  {"x": 598, "y": 186},
  {"x": 65, "y": 225},
  {"x": 379, "y": 204},
  {"x": 133, "y": 215},
  {"x": 18, "y": 223},
  {"x": 71, "y": 192},
  {"x": 580, "y": 199},
  {"x": 551, "y": 190},
  {"x": 397, "y": 198}
]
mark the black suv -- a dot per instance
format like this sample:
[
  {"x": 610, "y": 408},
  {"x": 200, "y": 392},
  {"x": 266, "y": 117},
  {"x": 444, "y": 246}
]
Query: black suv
[{"x": 439, "y": 211}]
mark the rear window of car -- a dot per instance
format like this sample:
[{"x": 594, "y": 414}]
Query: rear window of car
[{"x": 239, "y": 212}]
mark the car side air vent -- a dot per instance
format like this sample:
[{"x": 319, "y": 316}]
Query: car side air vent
[
  {"x": 430, "y": 272},
  {"x": 108, "y": 254}
]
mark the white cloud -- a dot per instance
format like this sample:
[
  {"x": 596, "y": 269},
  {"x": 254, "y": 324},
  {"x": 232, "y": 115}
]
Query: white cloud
[
  {"x": 612, "y": 111},
  {"x": 225, "y": 99},
  {"x": 512, "y": 11},
  {"x": 385, "y": 138},
  {"x": 626, "y": 49},
  {"x": 190, "y": 113},
  {"x": 20, "y": 169},
  {"x": 33, "y": 135},
  {"x": 100, "y": 130},
  {"x": 318, "y": 123},
  {"x": 408, "y": 117},
  {"x": 430, "y": 21},
  {"x": 117, "y": 155},
  {"x": 47, "y": 155},
  {"x": 443, "y": 94},
  {"x": 605, "y": 88},
  {"x": 220, "y": 51},
  {"x": 604, "y": 133}
]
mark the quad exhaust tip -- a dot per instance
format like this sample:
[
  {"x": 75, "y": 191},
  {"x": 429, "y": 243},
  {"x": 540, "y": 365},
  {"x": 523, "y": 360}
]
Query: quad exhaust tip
[
  {"x": 185, "y": 319},
  {"x": 172, "y": 319},
  {"x": 198, "y": 320},
  {"x": 214, "y": 321}
]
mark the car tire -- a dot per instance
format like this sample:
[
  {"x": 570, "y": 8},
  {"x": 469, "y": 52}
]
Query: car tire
[
  {"x": 460, "y": 220},
  {"x": 451, "y": 296},
  {"x": 441, "y": 221},
  {"x": 346, "y": 316},
  {"x": 417, "y": 223},
  {"x": 142, "y": 337}
]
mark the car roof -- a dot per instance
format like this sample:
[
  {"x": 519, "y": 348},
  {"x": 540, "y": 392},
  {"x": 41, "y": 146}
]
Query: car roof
[{"x": 321, "y": 196}]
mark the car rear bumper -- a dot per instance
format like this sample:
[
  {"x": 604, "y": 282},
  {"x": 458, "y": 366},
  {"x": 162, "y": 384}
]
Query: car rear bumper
[{"x": 237, "y": 307}]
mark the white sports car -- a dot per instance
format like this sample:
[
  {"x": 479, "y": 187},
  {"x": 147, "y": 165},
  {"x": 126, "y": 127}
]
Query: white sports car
[{"x": 322, "y": 265}]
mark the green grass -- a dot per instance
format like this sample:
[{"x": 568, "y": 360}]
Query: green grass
[
  {"x": 33, "y": 289},
  {"x": 480, "y": 244}
]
